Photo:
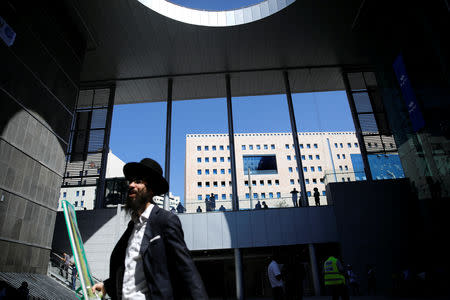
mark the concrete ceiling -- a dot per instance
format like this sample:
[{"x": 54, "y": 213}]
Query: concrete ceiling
[{"x": 138, "y": 49}]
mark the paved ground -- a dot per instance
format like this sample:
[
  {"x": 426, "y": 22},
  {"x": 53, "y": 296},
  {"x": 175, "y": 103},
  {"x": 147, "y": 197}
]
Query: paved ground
[{"x": 357, "y": 298}]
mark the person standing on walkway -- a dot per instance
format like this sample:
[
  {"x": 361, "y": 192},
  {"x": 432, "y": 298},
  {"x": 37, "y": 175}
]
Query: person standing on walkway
[
  {"x": 276, "y": 282},
  {"x": 317, "y": 196},
  {"x": 335, "y": 279},
  {"x": 294, "y": 193}
]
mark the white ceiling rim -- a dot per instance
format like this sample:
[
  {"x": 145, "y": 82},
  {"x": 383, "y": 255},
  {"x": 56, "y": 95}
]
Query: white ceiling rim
[{"x": 217, "y": 18}]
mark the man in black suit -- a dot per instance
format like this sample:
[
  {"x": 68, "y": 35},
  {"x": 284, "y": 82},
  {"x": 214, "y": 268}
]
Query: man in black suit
[{"x": 151, "y": 260}]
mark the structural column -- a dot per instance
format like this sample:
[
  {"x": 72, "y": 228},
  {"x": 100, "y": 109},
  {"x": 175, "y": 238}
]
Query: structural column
[
  {"x": 301, "y": 176},
  {"x": 101, "y": 181},
  {"x": 237, "y": 251},
  {"x": 166, "y": 203},
  {"x": 314, "y": 269}
]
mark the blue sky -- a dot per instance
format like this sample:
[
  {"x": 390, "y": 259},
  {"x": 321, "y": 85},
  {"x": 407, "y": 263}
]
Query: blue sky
[
  {"x": 138, "y": 130},
  {"x": 215, "y": 4}
]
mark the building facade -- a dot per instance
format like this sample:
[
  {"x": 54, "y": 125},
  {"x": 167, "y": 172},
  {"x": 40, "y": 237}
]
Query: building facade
[{"x": 273, "y": 168}]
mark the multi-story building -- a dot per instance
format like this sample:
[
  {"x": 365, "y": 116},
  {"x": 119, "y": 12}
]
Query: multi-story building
[{"x": 271, "y": 160}]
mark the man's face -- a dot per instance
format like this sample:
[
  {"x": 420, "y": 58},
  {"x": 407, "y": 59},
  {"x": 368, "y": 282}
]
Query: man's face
[{"x": 138, "y": 196}]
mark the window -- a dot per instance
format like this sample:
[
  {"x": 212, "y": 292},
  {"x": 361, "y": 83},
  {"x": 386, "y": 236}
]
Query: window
[
  {"x": 303, "y": 157},
  {"x": 308, "y": 146},
  {"x": 369, "y": 145},
  {"x": 287, "y": 146},
  {"x": 229, "y": 183},
  {"x": 319, "y": 168},
  {"x": 222, "y": 159},
  {"x": 206, "y": 159},
  {"x": 214, "y": 159},
  {"x": 266, "y": 147},
  {"x": 207, "y": 183},
  {"x": 199, "y": 159},
  {"x": 214, "y": 148},
  {"x": 291, "y": 181},
  {"x": 229, "y": 171},
  {"x": 314, "y": 180},
  {"x": 305, "y": 169},
  {"x": 199, "y": 184},
  {"x": 224, "y": 196},
  {"x": 269, "y": 182},
  {"x": 199, "y": 172},
  {"x": 306, "y": 181},
  {"x": 338, "y": 156},
  {"x": 308, "y": 194},
  {"x": 228, "y": 147},
  {"x": 81, "y": 173},
  {"x": 271, "y": 195},
  {"x": 247, "y": 196},
  {"x": 206, "y": 148},
  {"x": 343, "y": 156},
  {"x": 310, "y": 157},
  {"x": 64, "y": 195},
  {"x": 246, "y": 183},
  {"x": 335, "y": 145},
  {"x": 263, "y": 195},
  {"x": 392, "y": 145},
  {"x": 253, "y": 182},
  {"x": 207, "y": 171},
  {"x": 258, "y": 147},
  {"x": 222, "y": 183},
  {"x": 312, "y": 169},
  {"x": 221, "y": 147},
  {"x": 250, "y": 147},
  {"x": 272, "y": 146},
  {"x": 340, "y": 144},
  {"x": 81, "y": 203},
  {"x": 317, "y": 156},
  {"x": 78, "y": 193},
  {"x": 261, "y": 182},
  {"x": 277, "y": 182},
  {"x": 255, "y": 195},
  {"x": 290, "y": 169},
  {"x": 288, "y": 157},
  {"x": 343, "y": 179},
  {"x": 324, "y": 193},
  {"x": 301, "y": 146},
  {"x": 346, "y": 168},
  {"x": 243, "y": 147},
  {"x": 199, "y": 197},
  {"x": 340, "y": 168},
  {"x": 356, "y": 145},
  {"x": 348, "y": 178},
  {"x": 75, "y": 204},
  {"x": 278, "y": 195},
  {"x": 322, "y": 180},
  {"x": 214, "y": 171},
  {"x": 199, "y": 148},
  {"x": 349, "y": 145},
  {"x": 315, "y": 146},
  {"x": 229, "y": 159},
  {"x": 375, "y": 144},
  {"x": 222, "y": 171}
]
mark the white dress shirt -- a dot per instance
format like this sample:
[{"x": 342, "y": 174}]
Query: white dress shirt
[
  {"x": 272, "y": 271},
  {"x": 134, "y": 282}
]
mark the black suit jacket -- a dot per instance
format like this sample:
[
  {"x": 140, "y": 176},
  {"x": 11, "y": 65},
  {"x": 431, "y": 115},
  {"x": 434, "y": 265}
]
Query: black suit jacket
[{"x": 168, "y": 266}]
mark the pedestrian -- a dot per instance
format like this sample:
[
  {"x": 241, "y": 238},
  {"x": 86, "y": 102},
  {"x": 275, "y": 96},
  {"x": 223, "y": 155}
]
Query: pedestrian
[
  {"x": 371, "y": 280},
  {"x": 275, "y": 278},
  {"x": 264, "y": 205},
  {"x": 317, "y": 196},
  {"x": 212, "y": 201},
  {"x": 74, "y": 276},
  {"x": 23, "y": 290},
  {"x": 180, "y": 208},
  {"x": 335, "y": 279},
  {"x": 207, "y": 203},
  {"x": 258, "y": 205},
  {"x": 294, "y": 193},
  {"x": 199, "y": 209},
  {"x": 353, "y": 280},
  {"x": 222, "y": 208},
  {"x": 151, "y": 259},
  {"x": 66, "y": 265}
]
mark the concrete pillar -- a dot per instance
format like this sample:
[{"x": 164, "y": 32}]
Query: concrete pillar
[
  {"x": 238, "y": 270},
  {"x": 314, "y": 269}
]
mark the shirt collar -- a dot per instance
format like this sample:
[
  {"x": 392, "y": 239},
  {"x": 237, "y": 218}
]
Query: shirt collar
[{"x": 146, "y": 214}]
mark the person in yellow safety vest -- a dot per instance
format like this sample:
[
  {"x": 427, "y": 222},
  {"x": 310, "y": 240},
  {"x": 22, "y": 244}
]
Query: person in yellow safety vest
[{"x": 335, "y": 279}]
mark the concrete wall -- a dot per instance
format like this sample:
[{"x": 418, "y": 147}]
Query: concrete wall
[
  {"x": 102, "y": 228},
  {"x": 38, "y": 90},
  {"x": 375, "y": 226}
]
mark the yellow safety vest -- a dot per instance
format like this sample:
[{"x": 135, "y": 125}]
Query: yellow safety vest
[{"x": 332, "y": 274}]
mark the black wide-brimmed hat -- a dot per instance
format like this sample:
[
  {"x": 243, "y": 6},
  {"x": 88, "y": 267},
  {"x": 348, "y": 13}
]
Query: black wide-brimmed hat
[{"x": 148, "y": 168}]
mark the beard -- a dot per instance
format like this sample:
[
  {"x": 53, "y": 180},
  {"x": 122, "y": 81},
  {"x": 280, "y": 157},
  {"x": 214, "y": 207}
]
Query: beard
[{"x": 136, "y": 206}]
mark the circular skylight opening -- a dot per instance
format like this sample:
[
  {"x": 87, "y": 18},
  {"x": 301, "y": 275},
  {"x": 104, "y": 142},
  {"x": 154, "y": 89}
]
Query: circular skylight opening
[
  {"x": 215, "y": 18},
  {"x": 215, "y": 5}
]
